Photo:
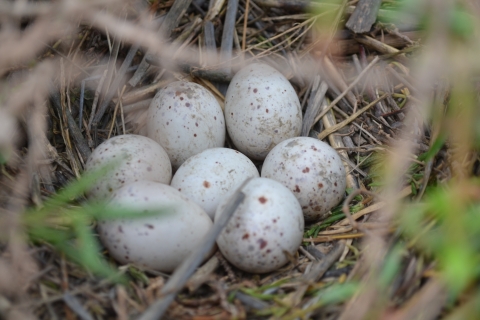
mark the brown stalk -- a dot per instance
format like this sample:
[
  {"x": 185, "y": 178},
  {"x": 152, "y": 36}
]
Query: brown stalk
[
  {"x": 337, "y": 99},
  {"x": 339, "y": 125}
]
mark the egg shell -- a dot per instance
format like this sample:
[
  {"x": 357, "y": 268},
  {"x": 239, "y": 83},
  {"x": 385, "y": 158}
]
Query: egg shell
[
  {"x": 185, "y": 119},
  {"x": 212, "y": 175},
  {"x": 312, "y": 170},
  {"x": 158, "y": 242},
  {"x": 261, "y": 110},
  {"x": 268, "y": 223},
  {"x": 144, "y": 159}
]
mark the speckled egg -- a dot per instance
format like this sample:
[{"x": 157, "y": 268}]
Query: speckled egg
[
  {"x": 212, "y": 175},
  {"x": 266, "y": 227},
  {"x": 160, "y": 242},
  {"x": 185, "y": 119},
  {"x": 140, "y": 158},
  {"x": 312, "y": 170},
  {"x": 261, "y": 110}
]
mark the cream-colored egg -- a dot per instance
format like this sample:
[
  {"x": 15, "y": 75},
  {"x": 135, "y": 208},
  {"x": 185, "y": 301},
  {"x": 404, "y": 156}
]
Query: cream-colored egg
[
  {"x": 185, "y": 119},
  {"x": 159, "y": 242},
  {"x": 261, "y": 110},
  {"x": 140, "y": 158},
  {"x": 312, "y": 170},
  {"x": 265, "y": 229},
  {"x": 212, "y": 175}
]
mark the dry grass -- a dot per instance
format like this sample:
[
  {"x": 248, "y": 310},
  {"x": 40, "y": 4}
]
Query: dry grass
[{"x": 401, "y": 108}]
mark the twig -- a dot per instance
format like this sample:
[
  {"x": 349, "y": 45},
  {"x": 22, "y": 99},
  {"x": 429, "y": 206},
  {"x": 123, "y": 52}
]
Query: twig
[
  {"x": 402, "y": 79},
  {"x": 227, "y": 38},
  {"x": 355, "y": 167},
  {"x": 374, "y": 207},
  {"x": 170, "y": 21},
  {"x": 334, "y": 102},
  {"x": 215, "y": 75},
  {"x": 121, "y": 109},
  {"x": 203, "y": 274},
  {"x": 245, "y": 22},
  {"x": 382, "y": 48},
  {"x": 143, "y": 104},
  {"x": 209, "y": 40},
  {"x": 95, "y": 99},
  {"x": 76, "y": 306},
  {"x": 336, "y": 142},
  {"x": 114, "y": 117},
  {"x": 75, "y": 132},
  {"x": 367, "y": 133},
  {"x": 314, "y": 105},
  {"x": 339, "y": 125},
  {"x": 140, "y": 93},
  {"x": 346, "y": 203},
  {"x": 297, "y": 5},
  {"x": 214, "y": 8},
  {"x": 333, "y": 90},
  {"x": 116, "y": 83},
  {"x": 292, "y": 31},
  {"x": 307, "y": 254},
  {"x": 329, "y": 67},
  {"x": 346, "y": 236},
  {"x": 250, "y": 301},
  {"x": 316, "y": 272}
]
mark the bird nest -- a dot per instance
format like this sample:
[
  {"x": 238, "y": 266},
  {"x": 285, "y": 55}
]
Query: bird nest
[{"x": 393, "y": 92}]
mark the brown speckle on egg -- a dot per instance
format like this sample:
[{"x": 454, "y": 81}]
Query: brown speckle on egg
[{"x": 262, "y": 243}]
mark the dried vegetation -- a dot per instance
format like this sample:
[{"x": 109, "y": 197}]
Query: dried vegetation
[{"x": 398, "y": 99}]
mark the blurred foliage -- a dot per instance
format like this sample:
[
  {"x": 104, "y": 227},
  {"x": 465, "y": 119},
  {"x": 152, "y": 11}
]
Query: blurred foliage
[
  {"x": 446, "y": 225},
  {"x": 3, "y": 157},
  {"x": 67, "y": 225},
  {"x": 443, "y": 226}
]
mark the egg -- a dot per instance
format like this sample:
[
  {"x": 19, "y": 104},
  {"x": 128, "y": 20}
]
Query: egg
[
  {"x": 312, "y": 170},
  {"x": 212, "y": 175},
  {"x": 266, "y": 228},
  {"x": 185, "y": 119},
  {"x": 160, "y": 242},
  {"x": 140, "y": 158},
  {"x": 261, "y": 110}
]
